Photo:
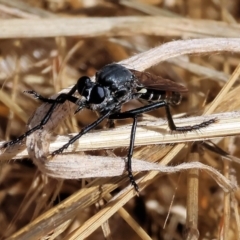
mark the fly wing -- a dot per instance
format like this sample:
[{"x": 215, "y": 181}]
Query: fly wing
[{"x": 151, "y": 81}]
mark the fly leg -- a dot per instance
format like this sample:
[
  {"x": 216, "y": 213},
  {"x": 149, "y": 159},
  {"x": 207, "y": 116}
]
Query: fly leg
[
  {"x": 134, "y": 114},
  {"x": 187, "y": 128},
  {"x": 54, "y": 102},
  {"x": 82, "y": 132},
  {"x": 131, "y": 145},
  {"x": 60, "y": 99}
]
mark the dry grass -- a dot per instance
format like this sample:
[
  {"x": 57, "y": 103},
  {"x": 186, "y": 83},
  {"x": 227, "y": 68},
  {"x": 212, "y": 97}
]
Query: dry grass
[{"x": 46, "y": 46}]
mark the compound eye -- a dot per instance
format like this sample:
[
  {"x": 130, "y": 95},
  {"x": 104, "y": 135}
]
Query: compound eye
[
  {"x": 97, "y": 95},
  {"x": 83, "y": 85}
]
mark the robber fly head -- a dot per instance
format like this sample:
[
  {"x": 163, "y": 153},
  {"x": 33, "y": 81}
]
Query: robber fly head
[{"x": 114, "y": 86}]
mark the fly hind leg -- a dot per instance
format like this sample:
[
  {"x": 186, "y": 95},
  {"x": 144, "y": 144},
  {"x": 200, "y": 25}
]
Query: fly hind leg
[{"x": 187, "y": 128}]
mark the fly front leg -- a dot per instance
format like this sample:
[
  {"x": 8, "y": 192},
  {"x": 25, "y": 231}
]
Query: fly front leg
[
  {"x": 54, "y": 102},
  {"x": 60, "y": 99}
]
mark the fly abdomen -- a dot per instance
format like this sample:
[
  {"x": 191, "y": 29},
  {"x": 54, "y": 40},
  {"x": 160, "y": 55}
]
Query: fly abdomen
[
  {"x": 150, "y": 95},
  {"x": 175, "y": 98},
  {"x": 153, "y": 95}
]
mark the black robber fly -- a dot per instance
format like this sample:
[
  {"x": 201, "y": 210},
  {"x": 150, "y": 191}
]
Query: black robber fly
[{"x": 114, "y": 86}]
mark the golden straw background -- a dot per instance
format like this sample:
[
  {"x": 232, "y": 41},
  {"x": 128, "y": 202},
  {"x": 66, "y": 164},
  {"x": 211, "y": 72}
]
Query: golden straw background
[{"x": 46, "y": 46}]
